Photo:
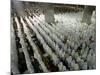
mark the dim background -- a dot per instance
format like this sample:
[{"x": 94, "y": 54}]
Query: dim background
[{"x": 5, "y": 36}]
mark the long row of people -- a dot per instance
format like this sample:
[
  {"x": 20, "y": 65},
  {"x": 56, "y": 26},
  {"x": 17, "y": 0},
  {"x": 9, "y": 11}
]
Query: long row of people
[{"x": 69, "y": 43}]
